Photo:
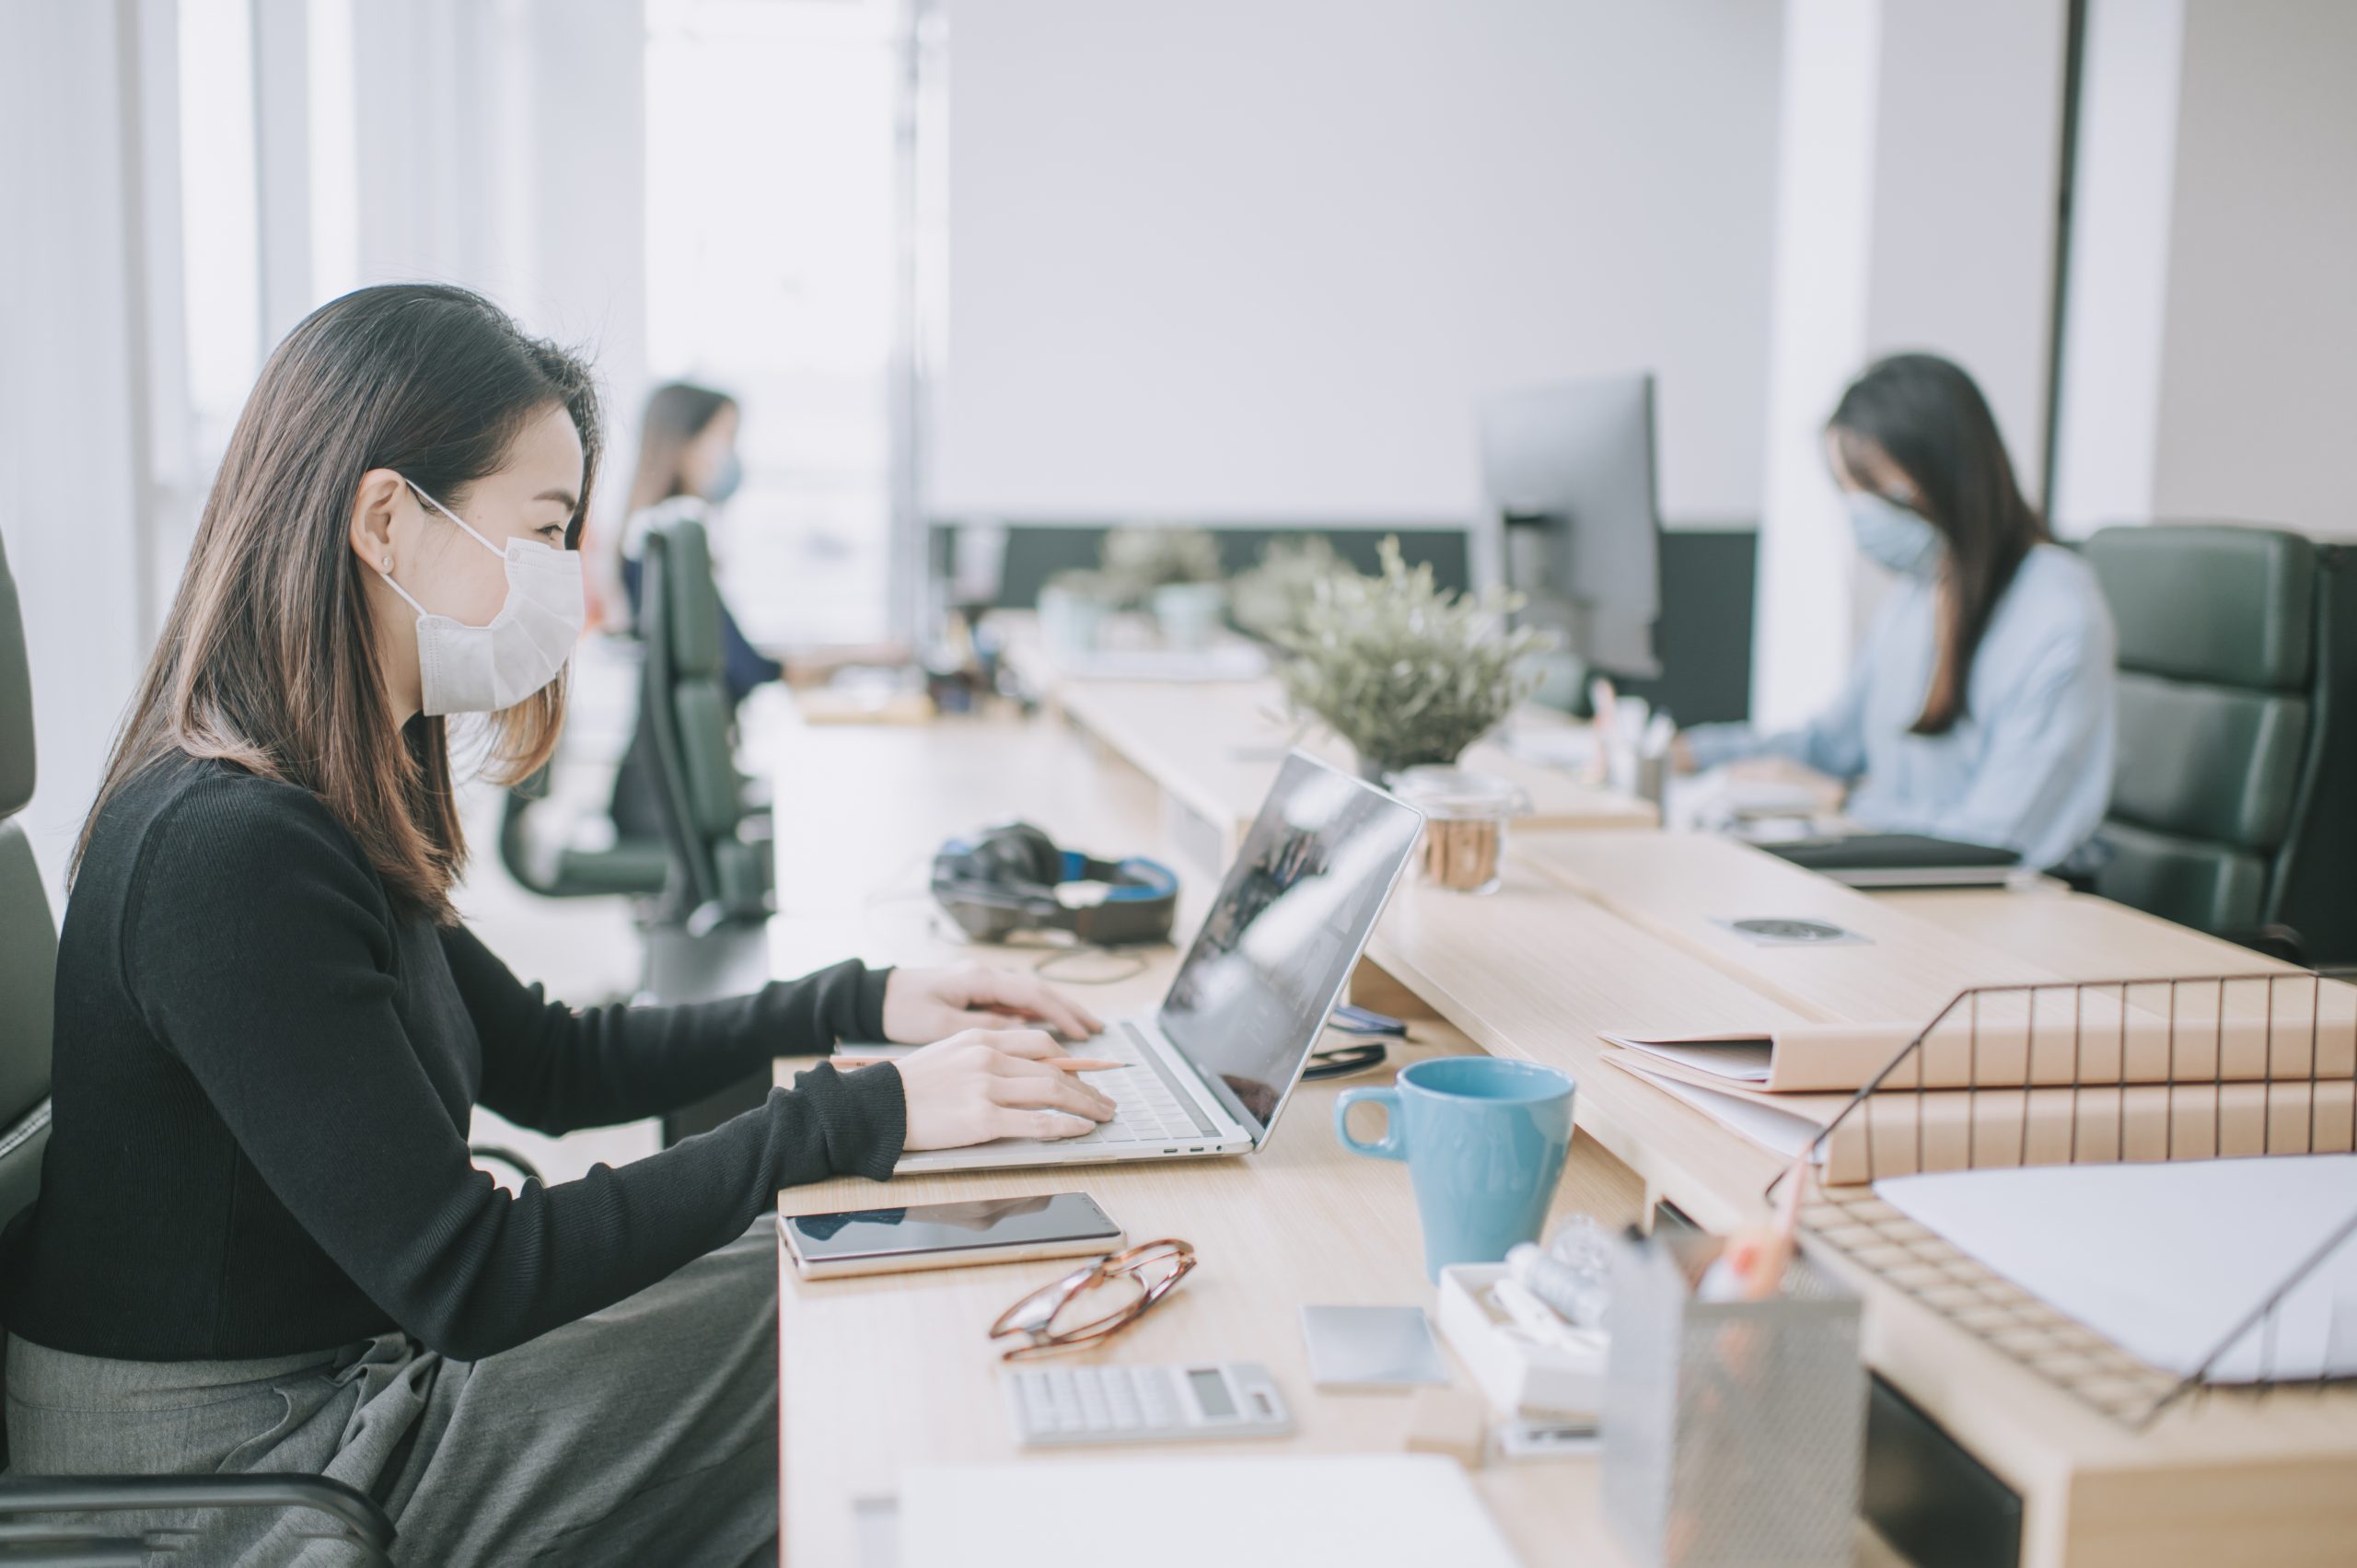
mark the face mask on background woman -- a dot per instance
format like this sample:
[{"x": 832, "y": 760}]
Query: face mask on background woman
[{"x": 1893, "y": 537}]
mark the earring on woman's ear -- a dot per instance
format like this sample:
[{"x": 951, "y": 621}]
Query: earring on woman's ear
[{"x": 388, "y": 564}]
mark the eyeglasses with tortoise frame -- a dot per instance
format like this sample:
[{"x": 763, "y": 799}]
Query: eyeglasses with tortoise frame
[{"x": 1095, "y": 1301}]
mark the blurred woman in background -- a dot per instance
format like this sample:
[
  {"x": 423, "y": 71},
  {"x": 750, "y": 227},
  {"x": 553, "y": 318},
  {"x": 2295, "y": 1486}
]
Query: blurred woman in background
[
  {"x": 687, "y": 464},
  {"x": 1981, "y": 705}
]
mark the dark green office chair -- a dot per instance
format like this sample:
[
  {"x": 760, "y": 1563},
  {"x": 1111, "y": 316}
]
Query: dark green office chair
[
  {"x": 628, "y": 868},
  {"x": 720, "y": 850},
  {"x": 81, "y": 1519},
  {"x": 2230, "y": 809}
]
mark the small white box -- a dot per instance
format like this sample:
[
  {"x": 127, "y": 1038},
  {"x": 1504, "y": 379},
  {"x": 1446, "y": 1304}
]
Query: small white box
[{"x": 1518, "y": 1373}]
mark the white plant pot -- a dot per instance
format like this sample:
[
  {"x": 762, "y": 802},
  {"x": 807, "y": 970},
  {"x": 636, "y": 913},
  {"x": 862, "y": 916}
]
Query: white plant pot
[
  {"x": 1068, "y": 622},
  {"x": 1188, "y": 613}
]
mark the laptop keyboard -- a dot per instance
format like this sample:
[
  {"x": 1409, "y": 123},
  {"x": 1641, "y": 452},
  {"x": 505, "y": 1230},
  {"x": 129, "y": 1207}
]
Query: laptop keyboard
[{"x": 1147, "y": 1110}]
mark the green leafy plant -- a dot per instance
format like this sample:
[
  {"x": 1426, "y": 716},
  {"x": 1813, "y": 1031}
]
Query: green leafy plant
[
  {"x": 1271, "y": 597},
  {"x": 1408, "y": 674},
  {"x": 1144, "y": 557}
]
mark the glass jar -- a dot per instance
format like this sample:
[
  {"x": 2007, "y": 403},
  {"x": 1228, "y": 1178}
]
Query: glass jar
[{"x": 1465, "y": 824}]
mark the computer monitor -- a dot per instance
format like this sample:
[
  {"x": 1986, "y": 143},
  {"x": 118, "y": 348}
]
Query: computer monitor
[{"x": 1569, "y": 468}]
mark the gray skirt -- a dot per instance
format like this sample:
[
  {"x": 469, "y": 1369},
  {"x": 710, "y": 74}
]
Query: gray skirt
[{"x": 646, "y": 1433}]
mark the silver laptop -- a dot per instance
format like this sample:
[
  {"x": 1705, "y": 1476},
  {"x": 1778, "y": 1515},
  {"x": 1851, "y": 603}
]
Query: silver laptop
[{"x": 1209, "y": 1072}]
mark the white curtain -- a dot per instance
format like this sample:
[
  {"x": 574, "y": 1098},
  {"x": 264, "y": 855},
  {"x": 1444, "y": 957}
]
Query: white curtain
[
  {"x": 498, "y": 144},
  {"x": 88, "y": 292}
]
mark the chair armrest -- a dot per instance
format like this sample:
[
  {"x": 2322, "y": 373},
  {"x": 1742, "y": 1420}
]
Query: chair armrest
[
  {"x": 358, "y": 1515},
  {"x": 2275, "y": 941},
  {"x": 524, "y": 1168}
]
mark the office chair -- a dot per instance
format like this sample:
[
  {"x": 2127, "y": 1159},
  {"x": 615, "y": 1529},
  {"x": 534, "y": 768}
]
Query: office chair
[
  {"x": 630, "y": 868},
  {"x": 2238, "y": 740},
  {"x": 27, "y": 975},
  {"x": 719, "y": 844}
]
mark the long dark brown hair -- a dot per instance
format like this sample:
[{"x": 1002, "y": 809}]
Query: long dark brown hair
[
  {"x": 268, "y": 657},
  {"x": 1928, "y": 416},
  {"x": 677, "y": 412}
]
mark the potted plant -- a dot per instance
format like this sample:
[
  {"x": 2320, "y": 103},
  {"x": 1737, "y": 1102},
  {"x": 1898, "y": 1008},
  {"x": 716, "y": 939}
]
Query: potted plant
[
  {"x": 1269, "y": 600},
  {"x": 1176, "y": 572},
  {"x": 1408, "y": 674},
  {"x": 1072, "y": 606}
]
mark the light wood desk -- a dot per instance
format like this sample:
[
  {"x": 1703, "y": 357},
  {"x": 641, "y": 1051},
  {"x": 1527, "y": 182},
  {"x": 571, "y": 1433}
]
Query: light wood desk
[
  {"x": 1530, "y": 973},
  {"x": 1922, "y": 949},
  {"x": 879, "y": 1374},
  {"x": 2078, "y": 935},
  {"x": 1212, "y": 749}
]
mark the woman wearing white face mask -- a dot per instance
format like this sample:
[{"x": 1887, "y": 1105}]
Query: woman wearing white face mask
[
  {"x": 260, "y": 1244},
  {"x": 1981, "y": 706},
  {"x": 687, "y": 466}
]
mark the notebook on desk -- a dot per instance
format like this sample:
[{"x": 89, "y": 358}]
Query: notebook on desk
[
  {"x": 2004, "y": 1040},
  {"x": 1899, "y": 860}
]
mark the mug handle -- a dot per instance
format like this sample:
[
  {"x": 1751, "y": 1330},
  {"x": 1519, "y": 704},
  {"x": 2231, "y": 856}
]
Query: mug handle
[{"x": 1393, "y": 1144}]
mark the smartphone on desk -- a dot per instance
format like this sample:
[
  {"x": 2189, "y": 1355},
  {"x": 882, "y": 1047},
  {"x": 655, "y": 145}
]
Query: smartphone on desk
[{"x": 948, "y": 1236}]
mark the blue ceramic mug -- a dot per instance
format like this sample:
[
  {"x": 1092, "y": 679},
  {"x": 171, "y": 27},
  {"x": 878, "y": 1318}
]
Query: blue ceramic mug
[{"x": 1484, "y": 1142}]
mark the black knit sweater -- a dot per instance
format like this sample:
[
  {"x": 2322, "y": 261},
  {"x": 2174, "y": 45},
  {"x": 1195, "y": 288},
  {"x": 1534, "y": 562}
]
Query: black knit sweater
[{"x": 261, "y": 1090}]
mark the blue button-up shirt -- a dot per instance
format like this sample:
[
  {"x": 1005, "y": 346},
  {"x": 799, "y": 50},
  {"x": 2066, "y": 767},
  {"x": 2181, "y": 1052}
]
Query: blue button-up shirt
[{"x": 2028, "y": 765}]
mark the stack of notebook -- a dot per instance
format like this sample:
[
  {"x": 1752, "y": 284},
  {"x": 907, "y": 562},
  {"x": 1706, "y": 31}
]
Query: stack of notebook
[{"x": 2008, "y": 1082}]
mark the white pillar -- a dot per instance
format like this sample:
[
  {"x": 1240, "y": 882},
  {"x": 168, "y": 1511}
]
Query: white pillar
[
  {"x": 1915, "y": 209},
  {"x": 588, "y": 271},
  {"x": 2124, "y": 179}
]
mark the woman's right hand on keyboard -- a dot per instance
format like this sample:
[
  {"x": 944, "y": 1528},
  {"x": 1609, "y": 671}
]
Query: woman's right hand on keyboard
[{"x": 985, "y": 1084}]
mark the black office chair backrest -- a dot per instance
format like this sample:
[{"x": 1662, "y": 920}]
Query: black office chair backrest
[
  {"x": 27, "y": 938},
  {"x": 28, "y": 935},
  {"x": 684, "y": 697},
  {"x": 2224, "y": 717}
]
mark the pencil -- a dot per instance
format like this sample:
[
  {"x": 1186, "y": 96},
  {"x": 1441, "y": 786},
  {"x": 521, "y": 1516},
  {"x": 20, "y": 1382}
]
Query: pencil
[{"x": 1061, "y": 1064}]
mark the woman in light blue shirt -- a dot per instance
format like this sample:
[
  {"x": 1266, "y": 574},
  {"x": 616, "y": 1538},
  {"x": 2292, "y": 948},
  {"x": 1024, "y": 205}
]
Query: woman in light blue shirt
[{"x": 1980, "y": 707}]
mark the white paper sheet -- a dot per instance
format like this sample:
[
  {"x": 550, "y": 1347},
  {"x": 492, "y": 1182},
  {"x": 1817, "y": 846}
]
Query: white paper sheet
[
  {"x": 1744, "y": 1058},
  {"x": 1778, "y": 1131},
  {"x": 1367, "y": 1510},
  {"x": 2166, "y": 1259}
]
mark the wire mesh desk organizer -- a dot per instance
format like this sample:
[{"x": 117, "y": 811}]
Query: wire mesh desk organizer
[
  {"x": 1733, "y": 1428},
  {"x": 2216, "y": 1105}
]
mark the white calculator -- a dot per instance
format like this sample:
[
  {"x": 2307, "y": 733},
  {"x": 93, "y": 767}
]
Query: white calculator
[{"x": 1144, "y": 1404}]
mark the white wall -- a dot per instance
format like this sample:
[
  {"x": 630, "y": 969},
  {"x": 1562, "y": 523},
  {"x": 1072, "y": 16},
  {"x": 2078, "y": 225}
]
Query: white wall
[
  {"x": 2259, "y": 395},
  {"x": 2213, "y": 320},
  {"x": 1256, "y": 258}
]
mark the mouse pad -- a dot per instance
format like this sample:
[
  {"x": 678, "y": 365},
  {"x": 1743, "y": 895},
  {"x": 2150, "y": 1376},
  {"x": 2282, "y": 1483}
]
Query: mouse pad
[{"x": 1371, "y": 1347}]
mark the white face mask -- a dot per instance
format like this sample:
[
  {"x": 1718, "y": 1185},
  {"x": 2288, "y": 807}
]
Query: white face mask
[
  {"x": 480, "y": 669},
  {"x": 1896, "y": 538}
]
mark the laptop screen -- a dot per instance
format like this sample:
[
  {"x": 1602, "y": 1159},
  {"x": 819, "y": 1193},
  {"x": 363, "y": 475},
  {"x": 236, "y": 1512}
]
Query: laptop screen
[{"x": 1297, "y": 905}]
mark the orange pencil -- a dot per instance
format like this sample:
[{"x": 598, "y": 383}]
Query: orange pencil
[{"x": 1061, "y": 1064}]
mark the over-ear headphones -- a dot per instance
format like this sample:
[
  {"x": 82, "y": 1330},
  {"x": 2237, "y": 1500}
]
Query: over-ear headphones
[{"x": 1014, "y": 878}]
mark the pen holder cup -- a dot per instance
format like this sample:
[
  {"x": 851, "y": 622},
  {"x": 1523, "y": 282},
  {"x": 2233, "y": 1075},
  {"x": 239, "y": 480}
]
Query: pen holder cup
[
  {"x": 1734, "y": 1432},
  {"x": 1465, "y": 824},
  {"x": 1629, "y": 771}
]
